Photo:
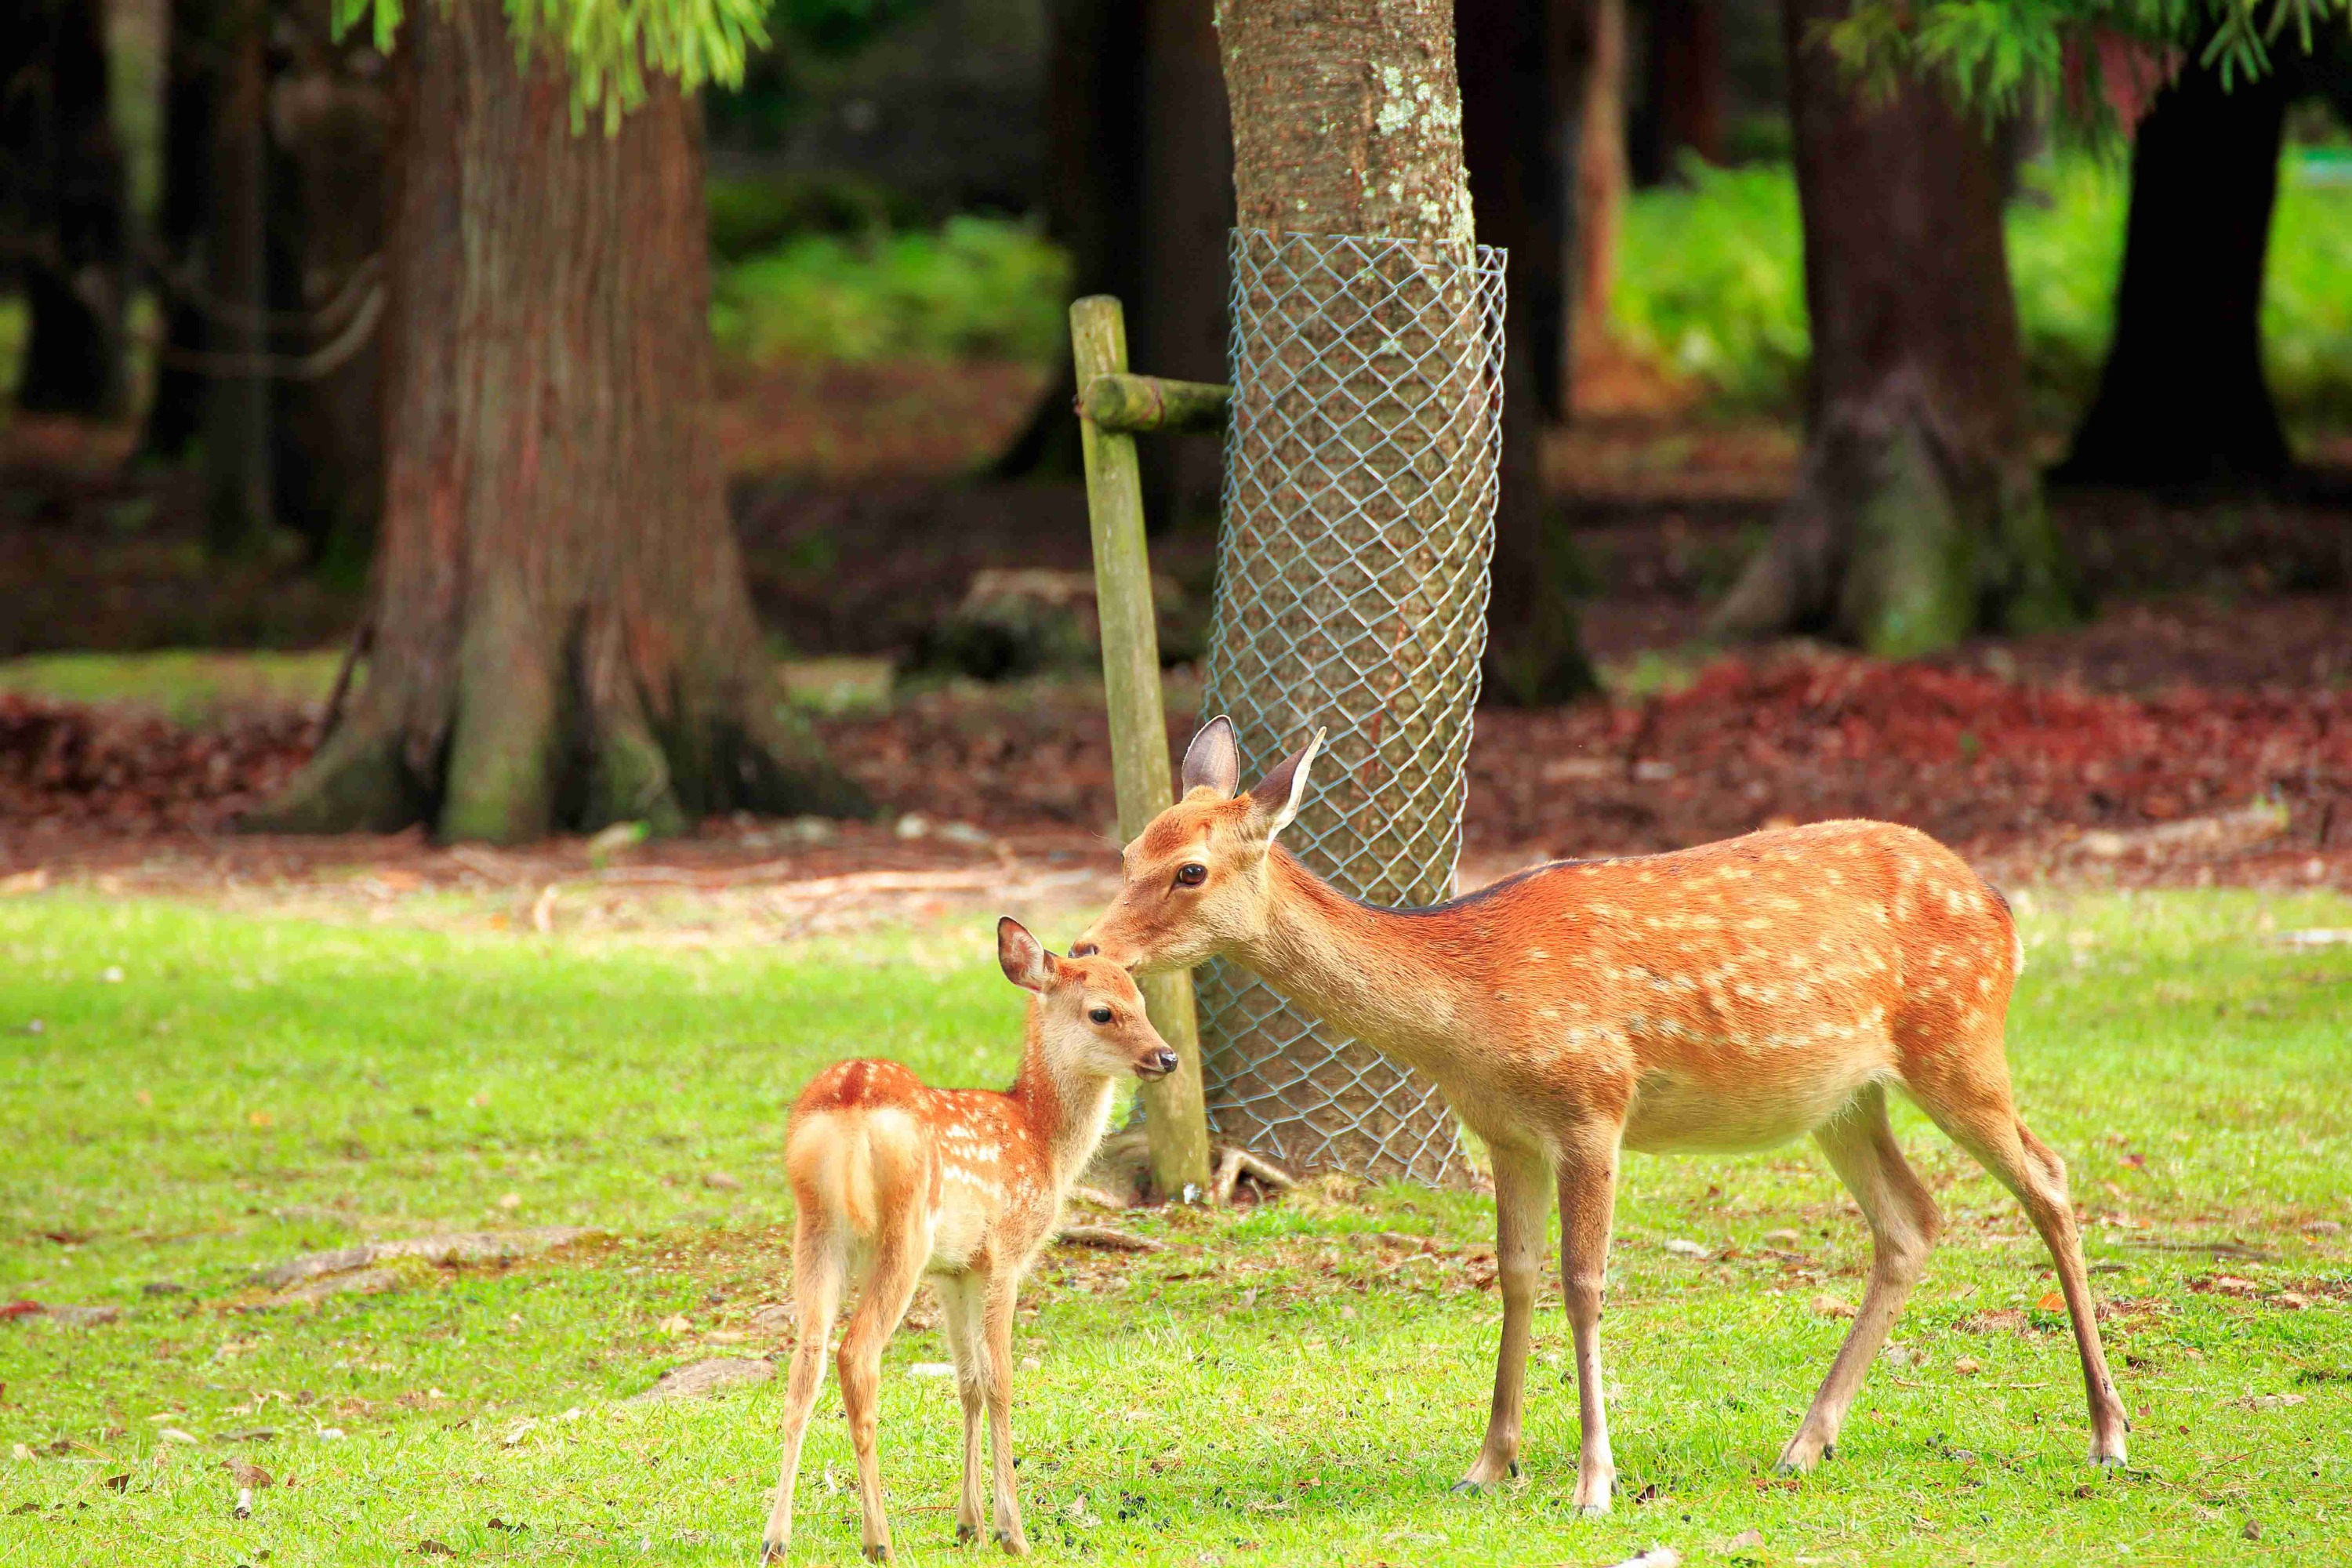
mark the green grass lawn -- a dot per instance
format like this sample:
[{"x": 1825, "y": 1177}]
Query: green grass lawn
[{"x": 208, "y": 1091}]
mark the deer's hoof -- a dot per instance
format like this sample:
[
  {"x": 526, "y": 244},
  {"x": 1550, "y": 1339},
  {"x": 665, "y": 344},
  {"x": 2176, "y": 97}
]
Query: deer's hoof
[
  {"x": 1593, "y": 1510},
  {"x": 878, "y": 1553},
  {"x": 966, "y": 1533},
  {"x": 1015, "y": 1544},
  {"x": 771, "y": 1550}
]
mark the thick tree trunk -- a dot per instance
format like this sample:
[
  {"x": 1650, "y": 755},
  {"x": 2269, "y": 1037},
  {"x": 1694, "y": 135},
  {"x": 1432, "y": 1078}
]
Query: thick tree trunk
[
  {"x": 561, "y": 632},
  {"x": 63, "y": 169},
  {"x": 1521, "y": 99},
  {"x": 2182, "y": 398},
  {"x": 1344, "y": 569},
  {"x": 1917, "y": 517}
]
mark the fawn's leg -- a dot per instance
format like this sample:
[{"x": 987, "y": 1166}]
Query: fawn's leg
[
  {"x": 1902, "y": 1224},
  {"x": 996, "y": 1320},
  {"x": 897, "y": 1266},
  {"x": 1970, "y": 1100},
  {"x": 960, "y": 1300},
  {"x": 1587, "y": 1170},
  {"x": 1522, "y": 1205},
  {"x": 816, "y": 1297}
]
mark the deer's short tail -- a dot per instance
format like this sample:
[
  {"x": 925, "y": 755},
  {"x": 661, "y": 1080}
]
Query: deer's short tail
[{"x": 856, "y": 1167}]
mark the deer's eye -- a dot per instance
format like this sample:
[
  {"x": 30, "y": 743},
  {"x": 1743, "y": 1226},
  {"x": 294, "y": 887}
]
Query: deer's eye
[
  {"x": 1192, "y": 876},
  {"x": 1101, "y": 1015}
]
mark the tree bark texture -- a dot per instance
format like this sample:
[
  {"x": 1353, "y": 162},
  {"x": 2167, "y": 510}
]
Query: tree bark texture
[
  {"x": 1521, "y": 68},
  {"x": 1351, "y": 569},
  {"x": 561, "y": 632},
  {"x": 1917, "y": 517},
  {"x": 2182, "y": 398},
  {"x": 62, "y": 202}
]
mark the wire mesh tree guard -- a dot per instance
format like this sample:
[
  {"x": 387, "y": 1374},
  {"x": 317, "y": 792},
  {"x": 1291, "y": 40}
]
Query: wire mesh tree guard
[{"x": 1362, "y": 467}]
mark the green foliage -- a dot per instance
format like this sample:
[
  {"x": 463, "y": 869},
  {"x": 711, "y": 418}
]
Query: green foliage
[
  {"x": 609, "y": 45},
  {"x": 212, "y": 1090},
  {"x": 1711, "y": 281},
  {"x": 976, "y": 287},
  {"x": 753, "y": 213},
  {"x": 2003, "y": 56}
]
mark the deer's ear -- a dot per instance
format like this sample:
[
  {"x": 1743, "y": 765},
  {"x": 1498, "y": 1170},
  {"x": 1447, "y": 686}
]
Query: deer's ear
[
  {"x": 1023, "y": 958},
  {"x": 1277, "y": 796},
  {"x": 1213, "y": 760}
]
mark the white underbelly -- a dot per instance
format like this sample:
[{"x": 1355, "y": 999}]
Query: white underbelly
[{"x": 1671, "y": 1113}]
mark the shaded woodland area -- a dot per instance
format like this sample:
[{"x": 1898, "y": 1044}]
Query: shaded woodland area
[{"x": 304, "y": 357}]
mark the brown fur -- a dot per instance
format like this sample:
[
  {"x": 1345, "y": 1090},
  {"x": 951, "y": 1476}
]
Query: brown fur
[
  {"x": 895, "y": 1182},
  {"x": 1732, "y": 995}
]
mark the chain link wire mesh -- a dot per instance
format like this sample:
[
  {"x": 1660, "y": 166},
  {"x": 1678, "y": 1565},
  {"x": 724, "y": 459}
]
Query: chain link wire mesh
[{"x": 1361, "y": 467}]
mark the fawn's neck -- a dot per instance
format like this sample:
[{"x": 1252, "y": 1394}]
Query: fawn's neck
[
  {"x": 1365, "y": 970},
  {"x": 1067, "y": 1111}
]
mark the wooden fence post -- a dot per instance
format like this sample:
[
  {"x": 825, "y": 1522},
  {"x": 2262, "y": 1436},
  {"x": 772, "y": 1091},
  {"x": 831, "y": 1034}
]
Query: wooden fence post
[{"x": 1174, "y": 1118}]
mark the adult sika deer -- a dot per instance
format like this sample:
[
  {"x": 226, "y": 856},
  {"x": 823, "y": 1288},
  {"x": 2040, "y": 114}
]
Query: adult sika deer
[
  {"x": 894, "y": 1181},
  {"x": 1730, "y": 996}
]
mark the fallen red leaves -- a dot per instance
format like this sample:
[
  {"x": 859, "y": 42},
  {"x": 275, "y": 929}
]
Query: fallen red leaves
[
  {"x": 1985, "y": 764},
  {"x": 1976, "y": 761}
]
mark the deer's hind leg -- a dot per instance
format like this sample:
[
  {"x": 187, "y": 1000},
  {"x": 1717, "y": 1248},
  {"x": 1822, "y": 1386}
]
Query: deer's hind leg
[
  {"x": 1968, "y": 1098},
  {"x": 1903, "y": 1223},
  {"x": 960, "y": 1301},
  {"x": 1522, "y": 1205},
  {"x": 817, "y": 1269},
  {"x": 898, "y": 1259}
]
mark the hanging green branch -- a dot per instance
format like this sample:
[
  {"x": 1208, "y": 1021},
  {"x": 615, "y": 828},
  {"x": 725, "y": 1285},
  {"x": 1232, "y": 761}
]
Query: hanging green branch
[
  {"x": 2004, "y": 55},
  {"x": 609, "y": 45}
]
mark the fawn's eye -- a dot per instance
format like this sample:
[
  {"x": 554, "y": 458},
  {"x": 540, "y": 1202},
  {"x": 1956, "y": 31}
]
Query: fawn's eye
[
  {"x": 1101, "y": 1015},
  {"x": 1192, "y": 876}
]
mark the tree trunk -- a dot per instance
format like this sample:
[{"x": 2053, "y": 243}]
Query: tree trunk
[
  {"x": 1521, "y": 101},
  {"x": 64, "y": 168},
  {"x": 331, "y": 124},
  {"x": 1600, "y": 173},
  {"x": 1344, "y": 597},
  {"x": 2182, "y": 398},
  {"x": 240, "y": 498},
  {"x": 175, "y": 405},
  {"x": 1139, "y": 189},
  {"x": 1187, "y": 210},
  {"x": 1917, "y": 517},
  {"x": 1686, "y": 85},
  {"x": 561, "y": 637}
]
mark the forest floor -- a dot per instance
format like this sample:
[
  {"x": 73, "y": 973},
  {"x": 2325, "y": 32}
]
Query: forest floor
[{"x": 577, "y": 1130}]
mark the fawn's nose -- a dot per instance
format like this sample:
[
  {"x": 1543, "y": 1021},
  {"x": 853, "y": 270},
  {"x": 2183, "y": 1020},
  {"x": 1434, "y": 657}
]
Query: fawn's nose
[
  {"x": 1085, "y": 949},
  {"x": 1164, "y": 1061}
]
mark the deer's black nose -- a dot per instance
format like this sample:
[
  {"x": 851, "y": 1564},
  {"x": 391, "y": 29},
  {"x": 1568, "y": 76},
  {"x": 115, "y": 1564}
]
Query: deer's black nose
[
  {"x": 1164, "y": 1059},
  {"x": 1083, "y": 949}
]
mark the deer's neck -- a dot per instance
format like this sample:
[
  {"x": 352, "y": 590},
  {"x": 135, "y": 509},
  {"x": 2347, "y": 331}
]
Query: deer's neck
[
  {"x": 1067, "y": 1111},
  {"x": 1365, "y": 970}
]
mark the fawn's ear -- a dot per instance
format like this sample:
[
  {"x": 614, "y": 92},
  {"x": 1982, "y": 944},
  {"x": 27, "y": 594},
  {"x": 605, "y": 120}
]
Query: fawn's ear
[
  {"x": 1023, "y": 958},
  {"x": 1277, "y": 796},
  {"x": 1213, "y": 760}
]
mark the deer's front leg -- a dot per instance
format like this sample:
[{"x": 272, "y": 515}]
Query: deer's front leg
[
  {"x": 996, "y": 1319},
  {"x": 1588, "y": 1198},
  {"x": 1521, "y": 1206}
]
